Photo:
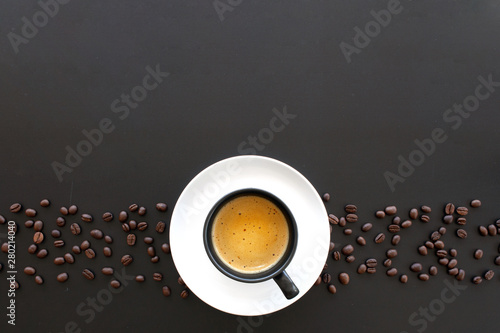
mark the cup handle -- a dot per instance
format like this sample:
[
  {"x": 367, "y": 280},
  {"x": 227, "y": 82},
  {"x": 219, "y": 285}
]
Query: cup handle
[{"x": 286, "y": 285}]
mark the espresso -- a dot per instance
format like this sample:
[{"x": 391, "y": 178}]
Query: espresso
[{"x": 250, "y": 234}]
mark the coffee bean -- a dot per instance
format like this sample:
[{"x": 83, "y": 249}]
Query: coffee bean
[
  {"x": 387, "y": 262},
  {"x": 29, "y": 224},
  {"x": 131, "y": 238},
  {"x": 453, "y": 252},
  {"x": 133, "y": 207},
  {"x": 371, "y": 262},
  {"x": 87, "y": 218},
  {"x": 443, "y": 261},
  {"x": 351, "y": 218},
  {"x": 162, "y": 207},
  {"x": 165, "y": 291},
  {"x": 151, "y": 251},
  {"x": 366, "y": 227},
  {"x": 16, "y": 208},
  {"x": 497, "y": 223},
  {"x": 75, "y": 229},
  {"x": 416, "y": 267},
  {"x": 477, "y": 279},
  {"x": 330, "y": 248},
  {"x": 122, "y": 216},
  {"x": 155, "y": 259},
  {"x": 107, "y": 270},
  {"x": 63, "y": 210},
  {"x": 461, "y": 221},
  {"x": 165, "y": 248},
  {"x": 483, "y": 231},
  {"x": 45, "y": 203},
  {"x": 380, "y": 214},
  {"x": 453, "y": 271},
  {"x": 63, "y": 277},
  {"x": 96, "y": 233},
  {"x": 76, "y": 249},
  {"x": 115, "y": 284},
  {"x": 396, "y": 220},
  {"x": 448, "y": 219},
  {"x": 332, "y": 289},
  {"x": 90, "y": 253},
  {"x": 85, "y": 245},
  {"x": 452, "y": 263},
  {"x": 423, "y": 277},
  {"x": 142, "y": 226},
  {"x": 430, "y": 245},
  {"x": 350, "y": 259},
  {"x": 30, "y": 212},
  {"x": 426, "y": 209},
  {"x": 127, "y": 260},
  {"x": 439, "y": 245},
  {"x": 361, "y": 241},
  {"x": 38, "y": 225},
  {"x": 55, "y": 233},
  {"x": 5, "y": 247},
  {"x": 38, "y": 237},
  {"x": 475, "y": 203},
  {"x": 107, "y": 251},
  {"x": 326, "y": 278},
  {"x": 393, "y": 228},
  {"x": 2, "y": 219},
  {"x": 406, "y": 224},
  {"x": 32, "y": 248},
  {"x": 160, "y": 227},
  {"x": 108, "y": 239},
  {"x": 392, "y": 272},
  {"x": 488, "y": 275},
  {"x": 433, "y": 270},
  {"x": 371, "y": 270},
  {"x": 140, "y": 278},
  {"x": 141, "y": 211},
  {"x": 16, "y": 285},
  {"x": 478, "y": 254},
  {"x": 413, "y": 213},
  {"x": 362, "y": 269},
  {"x": 336, "y": 255},
  {"x": 184, "y": 294},
  {"x": 391, "y": 253},
  {"x": 107, "y": 217},
  {"x": 68, "y": 257},
  {"x": 42, "y": 253},
  {"x": 60, "y": 221},
  {"x": 449, "y": 209},
  {"x": 351, "y": 209},
  {"x": 462, "y": 211},
  {"x": 132, "y": 224},
  {"x": 379, "y": 238},
  {"x": 38, "y": 279},
  {"x": 125, "y": 227},
  {"x": 442, "y": 230},
  {"x": 462, "y": 233},
  {"x": 422, "y": 250},
  {"x": 28, "y": 270},
  {"x": 344, "y": 278},
  {"x": 441, "y": 253},
  {"x": 157, "y": 276},
  {"x": 333, "y": 219},
  {"x": 492, "y": 230},
  {"x": 403, "y": 278},
  {"x": 425, "y": 218},
  {"x": 88, "y": 274},
  {"x": 461, "y": 275},
  {"x": 395, "y": 240},
  {"x": 342, "y": 222},
  {"x": 347, "y": 232},
  {"x": 73, "y": 209},
  {"x": 390, "y": 210}
]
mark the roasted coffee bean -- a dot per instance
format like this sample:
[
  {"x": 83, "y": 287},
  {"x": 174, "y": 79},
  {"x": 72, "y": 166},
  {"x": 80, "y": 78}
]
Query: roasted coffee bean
[
  {"x": 390, "y": 210},
  {"x": 140, "y": 278},
  {"x": 127, "y": 260},
  {"x": 391, "y": 253},
  {"x": 478, "y": 254},
  {"x": 115, "y": 284},
  {"x": 330, "y": 248},
  {"x": 406, "y": 224},
  {"x": 488, "y": 275},
  {"x": 107, "y": 251},
  {"x": 439, "y": 245},
  {"x": 165, "y": 248},
  {"x": 371, "y": 270},
  {"x": 151, "y": 251},
  {"x": 38, "y": 237},
  {"x": 380, "y": 214},
  {"x": 108, "y": 239},
  {"x": 132, "y": 224},
  {"x": 403, "y": 278},
  {"x": 422, "y": 250},
  {"x": 16, "y": 208},
  {"x": 448, "y": 219},
  {"x": 148, "y": 240},
  {"x": 461, "y": 221},
  {"x": 73, "y": 209},
  {"x": 416, "y": 267},
  {"x": 157, "y": 276},
  {"x": 332, "y": 289},
  {"x": 441, "y": 253},
  {"x": 429, "y": 245},
  {"x": 361, "y": 241},
  {"x": 45, "y": 203},
  {"x": 68, "y": 257},
  {"x": 347, "y": 232},
  {"x": 396, "y": 220},
  {"x": 477, "y": 279},
  {"x": 155, "y": 259},
  {"x": 453, "y": 271},
  {"x": 326, "y": 278},
  {"x": 426, "y": 209},
  {"x": 107, "y": 270},
  {"x": 361, "y": 269},
  {"x": 133, "y": 207},
  {"x": 16, "y": 285},
  {"x": 38, "y": 225},
  {"x": 452, "y": 263},
  {"x": 344, "y": 278},
  {"x": 342, "y": 222},
  {"x": 29, "y": 224},
  {"x": 392, "y": 272},
  {"x": 87, "y": 218},
  {"x": 483, "y": 231},
  {"x": 475, "y": 203},
  {"x": 333, "y": 219},
  {"x": 336, "y": 255},
  {"x": 142, "y": 226},
  {"x": 492, "y": 230},
  {"x": 433, "y": 270},
  {"x": 30, "y": 212},
  {"x": 85, "y": 245},
  {"x": 141, "y": 211},
  {"x": 90, "y": 253},
  {"x": 442, "y": 230},
  {"x": 75, "y": 229},
  {"x": 165, "y": 291},
  {"x": 443, "y": 261},
  {"x": 180, "y": 281},
  {"x": 366, "y": 227},
  {"x": 379, "y": 238},
  {"x": 63, "y": 210},
  {"x": 125, "y": 227},
  {"x": 449, "y": 208},
  {"x": 55, "y": 233},
  {"x": 347, "y": 250},
  {"x": 184, "y": 294},
  {"x": 497, "y": 223},
  {"x": 122, "y": 216},
  {"x": 131, "y": 238},
  {"x": 387, "y": 262},
  {"x": 462, "y": 211},
  {"x": 461, "y": 275},
  {"x": 2, "y": 219},
  {"x": 162, "y": 207},
  {"x": 423, "y": 277},
  {"x": 351, "y": 218},
  {"x": 42, "y": 253},
  {"x": 413, "y": 213},
  {"x": 32, "y": 248},
  {"x": 462, "y": 233},
  {"x": 350, "y": 259},
  {"x": 395, "y": 240},
  {"x": 60, "y": 221},
  {"x": 88, "y": 274},
  {"x": 351, "y": 209},
  {"x": 63, "y": 277},
  {"x": 107, "y": 217},
  {"x": 425, "y": 218},
  {"x": 393, "y": 228},
  {"x": 76, "y": 249},
  {"x": 160, "y": 227},
  {"x": 5, "y": 247},
  {"x": 28, "y": 270},
  {"x": 371, "y": 262},
  {"x": 96, "y": 233},
  {"x": 38, "y": 279},
  {"x": 453, "y": 252}
]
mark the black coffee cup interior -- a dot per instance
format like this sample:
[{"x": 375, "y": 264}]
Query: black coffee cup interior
[{"x": 250, "y": 277}]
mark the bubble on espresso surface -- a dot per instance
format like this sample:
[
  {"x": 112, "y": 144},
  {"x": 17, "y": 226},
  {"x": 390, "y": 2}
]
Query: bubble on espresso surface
[{"x": 250, "y": 234}]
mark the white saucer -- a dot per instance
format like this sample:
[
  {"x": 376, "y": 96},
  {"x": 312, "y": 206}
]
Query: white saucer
[{"x": 193, "y": 206}]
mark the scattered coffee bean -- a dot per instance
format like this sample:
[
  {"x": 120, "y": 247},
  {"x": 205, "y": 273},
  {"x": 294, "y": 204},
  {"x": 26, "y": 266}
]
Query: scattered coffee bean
[
  {"x": 38, "y": 279},
  {"x": 395, "y": 240},
  {"x": 413, "y": 213},
  {"x": 392, "y": 272},
  {"x": 429, "y": 245},
  {"x": 165, "y": 248},
  {"x": 148, "y": 240},
  {"x": 332, "y": 289},
  {"x": 162, "y": 207},
  {"x": 333, "y": 219},
  {"x": 107, "y": 270},
  {"x": 107, "y": 217},
  {"x": 379, "y": 238},
  {"x": 142, "y": 226},
  {"x": 475, "y": 203},
  {"x": 441, "y": 253},
  {"x": 29, "y": 224},
  {"x": 461, "y": 275},
  {"x": 108, "y": 239},
  {"x": 125, "y": 227},
  {"x": 75, "y": 229},
  {"x": 423, "y": 277},
  {"x": 30, "y": 212},
  {"x": 140, "y": 278},
  {"x": 426, "y": 209},
  {"x": 351, "y": 209},
  {"x": 453, "y": 252},
  {"x": 452, "y": 263},
  {"x": 88, "y": 274},
  {"x": 38, "y": 237},
  {"x": 141, "y": 211},
  {"x": 115, "y": 284},
  {"x": 160, "y": 227},
  {"x": 330, "y": 248},
  {"x": 453, "y": 271},
  {"x": 448, "y": 219},
  {"x": 132, "y": 224},
  {"x": 68, "y": 257},
  {"x": 184, "y": 294},
  {"x": 403, "y": 278},
  {"x": 462, "y": 211},
  {"x": 371, "y": 262},
  {"x": 442, "y": 230},
  {"x": 422, "y": 250},
  {"x": 350, "y": 259},
  {"x": 488, "y": 275},
  {"x": 131, "y": 238},
  {"x": 348, "y": 249},
  {"x": 477, "y": 279},
  {"x": 87, "y": 218},
  {"x": 483, "y": 231},
  {"x": 461, "y": 233},
  {"x": 155, "y": 259},
  {"x": 76, "y": 249},
  {"x": 478, "y": 254},
  {"x": 416, "y": 267},
  {"x": 55, "y": 233},
  {"x": 16, "y": 208},
  {"x": 122, "y": 216},
  {"x": 63, "y": 210},
  {"x": 380, "y": 214},
  {"x": 351, "y": 218},
  {"x": 165, "y": 291},
  {"x": 361, "y": 241},
  {"x": 336, "y": 255},
  {"x": 45, "y": 203},
  {"x": 133, "y": 207},
  {"x": 326, "y": 278},
  {"x": 362, "y": 269},
  {"x": 85, "y": 245},
  {"x": 90, "y": 253},
  {"x": 371, "y": 270},
  {"x": 28, "y": 270},
  {"x": 342, "y": 222},
  {"x": 439, "y": 245},
  {"x": 151, "y": 251},
  {"x": 497, "y": 223},
  {"x": 32, "y": 248},
  {"x": 73, "y": 209},
  {"x": 2, "y": 219},
  {"x": 38, "y": 225},
  {"x": 391, "y": 253},
  {"x": 42, "y": 253},
  {"x": 60, "y": 221},
  {"x": 449, "y": 209},
  {"x": 366, "y": 227},
  {"x": 406, "y": 224},
  {"x": 157, "y": 276},
  {"x": 63, "y": 277},
  {"x": 390, "y": 210},
  {"x": 107, "y": 251},
  {"x": 347, "y": 232},
  {"x": 444, "y": 261},
  {"x": 492, "y": 230},
  {"x": 425, "y": 218},
  {"x": 127, "y": 260},
  {"x": 461, "y": 221},
  {"x": 396, "y": 220},
  {"x": 344, "y": 278},
  {"x": 387, "y": 262},
  {"x": 393, "y": 228}
]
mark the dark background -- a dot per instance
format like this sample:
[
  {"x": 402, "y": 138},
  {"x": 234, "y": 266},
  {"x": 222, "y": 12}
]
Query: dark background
[{"x": 352, "y": 122}]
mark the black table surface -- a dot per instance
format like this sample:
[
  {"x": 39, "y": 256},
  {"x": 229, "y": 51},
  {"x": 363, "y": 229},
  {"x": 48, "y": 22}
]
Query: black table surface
[{"x": 376, "y": 102}]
